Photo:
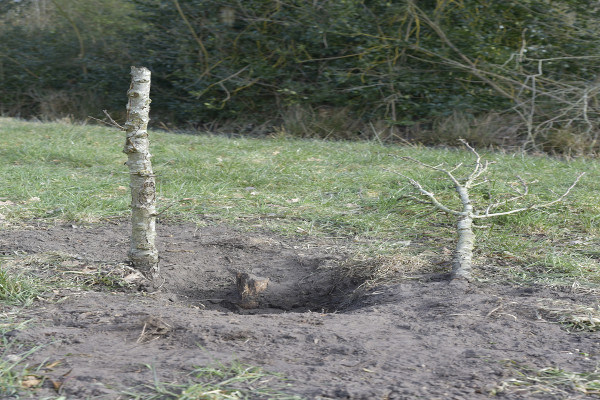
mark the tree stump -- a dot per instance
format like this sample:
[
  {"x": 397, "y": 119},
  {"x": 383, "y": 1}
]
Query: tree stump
[
  {"x": 142, "y": 253},
  {"x": 249, "y": 288}
]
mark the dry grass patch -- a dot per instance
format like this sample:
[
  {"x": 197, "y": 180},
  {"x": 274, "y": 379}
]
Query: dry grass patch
[
  {"x": 382, "y": 269},
  {"x": 573, "y": 317},
  {"x": 554, "y": 382},
  {"x": 58, "y": 269}
]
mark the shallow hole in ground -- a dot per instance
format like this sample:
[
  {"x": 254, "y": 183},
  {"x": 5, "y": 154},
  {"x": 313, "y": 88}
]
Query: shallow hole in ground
[
  {"x": 209, "y": 267},
  {"x": 252, "y": 274}
]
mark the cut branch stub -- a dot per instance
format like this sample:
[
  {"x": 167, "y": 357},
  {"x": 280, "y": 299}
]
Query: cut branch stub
[
  {"x": 142, "y": 253},
  {"x": 249, "y": 289}
]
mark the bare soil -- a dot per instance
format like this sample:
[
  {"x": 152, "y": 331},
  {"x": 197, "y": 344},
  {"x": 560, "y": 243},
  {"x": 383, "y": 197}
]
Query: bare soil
[{"x": 424, "y": 338}]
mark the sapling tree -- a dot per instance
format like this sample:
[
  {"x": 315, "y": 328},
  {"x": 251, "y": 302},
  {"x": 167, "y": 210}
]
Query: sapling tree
[
  {"x": 463, "y": 254},
  {"x": 142, "y": 253}
]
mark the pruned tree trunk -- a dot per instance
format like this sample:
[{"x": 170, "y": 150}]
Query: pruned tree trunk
[
  {"x": 142, "y": 253},
  {"x": 463, "y": 255}
]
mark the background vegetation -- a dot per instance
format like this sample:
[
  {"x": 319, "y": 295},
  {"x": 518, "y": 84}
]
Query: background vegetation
[{"x": 515, "y": 72}]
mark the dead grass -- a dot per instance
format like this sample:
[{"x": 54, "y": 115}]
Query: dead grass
[
  {"x": 320, "y": 122},
  {"x": 63, "y": 270},
  {"x": 574, "y": 317},
  {"x": 220, "y": 382},
  {"x": 490, "y": 130},
  {"x": 381, "y": 270},
  {"x": 554, "y": 382}
]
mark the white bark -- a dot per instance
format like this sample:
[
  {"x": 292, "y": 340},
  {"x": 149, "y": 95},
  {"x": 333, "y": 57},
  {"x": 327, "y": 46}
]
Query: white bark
[
  {"x": 463, "y": 255},
  {"x": 142, "y": 253}
]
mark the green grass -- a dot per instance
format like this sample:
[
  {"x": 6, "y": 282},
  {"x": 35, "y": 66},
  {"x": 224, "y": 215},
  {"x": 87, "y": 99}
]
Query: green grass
[
  {"x": 17, "y": 288},
  {"x": 350, "y": 190},
  {"x": 15, "y": 371},
  {"x": 233, "y": 381},
  {"x": 550, "y": 381}
]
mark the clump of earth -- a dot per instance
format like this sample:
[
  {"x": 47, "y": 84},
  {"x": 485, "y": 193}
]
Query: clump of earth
[{"x": 422, "y": 338}]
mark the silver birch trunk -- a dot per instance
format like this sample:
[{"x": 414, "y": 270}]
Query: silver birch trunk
[
  {"x": 463, "y": 255},
  {"x": 142, "y": 253}
]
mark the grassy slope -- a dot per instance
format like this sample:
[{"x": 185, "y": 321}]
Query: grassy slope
[
  {"x": 334, "y": 189},
  {"x": 57, "y": 172}
]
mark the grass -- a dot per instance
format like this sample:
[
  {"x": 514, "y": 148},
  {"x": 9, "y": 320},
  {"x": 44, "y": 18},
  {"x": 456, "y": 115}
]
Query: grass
[
  {"x": 15, "y": 372},
  {"x": 233, "y": 381},
  {"x": 349, "y": 190},
  {"x": 574, "y": 317},
  {"x": 25, "y": 278},
  {"x": 17, "y": 288},
  {"x": 551, "y": 381}
]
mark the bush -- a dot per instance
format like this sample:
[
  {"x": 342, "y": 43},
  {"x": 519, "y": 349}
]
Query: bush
[{"x": 376, "y": 68}]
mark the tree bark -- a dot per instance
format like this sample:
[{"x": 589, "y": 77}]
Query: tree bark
[
  {"x": 463, "y": 256},
  {"x": 142, "y": 253}
]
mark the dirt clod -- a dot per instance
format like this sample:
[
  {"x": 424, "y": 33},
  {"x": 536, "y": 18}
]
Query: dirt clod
[{"x": 153, "y": 328}]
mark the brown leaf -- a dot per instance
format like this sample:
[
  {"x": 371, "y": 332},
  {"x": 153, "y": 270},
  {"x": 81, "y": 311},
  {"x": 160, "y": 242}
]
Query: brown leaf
[
  {"x": 30, "y": 381},
  {"x": 56, "y": 385}
]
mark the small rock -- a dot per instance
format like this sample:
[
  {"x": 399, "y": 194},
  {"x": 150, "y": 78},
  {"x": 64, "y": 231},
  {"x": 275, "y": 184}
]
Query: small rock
[{"x": 12, "y": 358}]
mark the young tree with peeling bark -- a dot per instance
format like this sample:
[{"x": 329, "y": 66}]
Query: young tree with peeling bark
[
  {"x": 463, "y": 254},
  {"x": 143, "y": 253}
]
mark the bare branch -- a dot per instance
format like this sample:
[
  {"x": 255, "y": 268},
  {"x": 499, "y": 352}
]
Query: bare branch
[
  {"x": 483, "y": 182},
  {"x": 112, "y": 121},
  {"x": 220, "y": 83},
  {"x": 415, "y": 199},
  {"x": 431, "y": 197},
  {"x": 456, "y": 167},
  {"x": 447, "y": 172},
  {"x": 534, "y": 206},
  {"x": 204, "y": 58},
  {"x": 471, "y": 149},
  {"x": 463, "y": 255},
  {"x": 437, "y": 168},
  {"x": 520, "y": 195},
  {"x": 479, "y": 168}
]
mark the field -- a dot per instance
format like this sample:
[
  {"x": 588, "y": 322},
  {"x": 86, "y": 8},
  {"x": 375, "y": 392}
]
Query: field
[{"x": 358, "y": 305}]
